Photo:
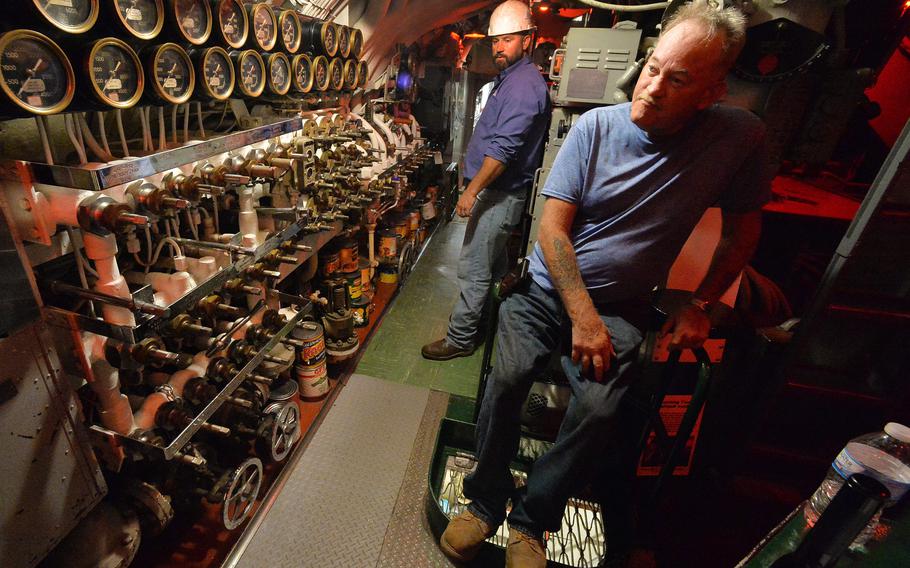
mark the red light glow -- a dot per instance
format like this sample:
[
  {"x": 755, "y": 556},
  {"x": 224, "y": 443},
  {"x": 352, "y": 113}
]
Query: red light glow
[{"x": 474, "y": 35}]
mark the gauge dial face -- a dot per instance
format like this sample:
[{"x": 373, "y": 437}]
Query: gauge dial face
[
  {"x": 336, "y": 74},
  {"x": 173, "y": 74},
  {"x": 265, "y": 29},
  {"x": 350, "y": 74},
  {"x": 116, "y": 75},
  {"x": 356, "y": 42},
  {"x": 279, "y": 74},
  {"x": 290, "y": 31},
  {"x": 35, "y": 74},
  {"x": 330, "y": 39},
  {"x": 218, "y": 73},
  {"x": 344, "y": 41},
  {"x": 252, "y": 74},
  {"x": 194, "y": 18},
  {"x": 321, "y": 73},
  {"x": 143, "y": 18},
  {"x": 362, "y": 72},
  {"x": 232, "y": 22},
  {"x": 75, "y": 16},
  {"x": 303, "y": 74}
]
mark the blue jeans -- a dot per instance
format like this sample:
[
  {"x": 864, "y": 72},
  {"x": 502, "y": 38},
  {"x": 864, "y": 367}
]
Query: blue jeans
[
  {"x": 483, "y": 260},
  {"x": 595, "y": 437}
]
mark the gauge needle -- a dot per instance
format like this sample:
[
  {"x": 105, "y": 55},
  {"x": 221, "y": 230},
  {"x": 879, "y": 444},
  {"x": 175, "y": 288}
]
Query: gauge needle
[
  {"x": 113, "y": 72},
  {"x": 31, "y": 73}
]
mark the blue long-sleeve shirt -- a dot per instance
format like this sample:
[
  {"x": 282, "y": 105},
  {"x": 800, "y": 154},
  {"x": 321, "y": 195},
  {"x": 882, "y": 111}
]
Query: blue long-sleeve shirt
[{"x": 512, "y": 128}]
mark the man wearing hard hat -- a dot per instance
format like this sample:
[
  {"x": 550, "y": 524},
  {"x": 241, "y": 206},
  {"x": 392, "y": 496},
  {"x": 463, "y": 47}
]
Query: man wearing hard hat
[
  {"x": 499, "y": 166},
  {"x": 626, "y": 189}
]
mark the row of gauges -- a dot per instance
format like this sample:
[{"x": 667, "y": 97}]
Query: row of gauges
[
  {"x": 229, "y": 23},
  {"x": 36, "y": 75}
]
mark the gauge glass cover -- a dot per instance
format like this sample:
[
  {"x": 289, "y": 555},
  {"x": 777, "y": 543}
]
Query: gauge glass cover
[
  {"x": 140, "y": 16},
  {"x": 193, "y": 19},
  {"x": 251, "y": 74},
  {"x": 69, "y": 14},
  {"x": 264, "y": 27},
  {"x": 279, "y": 74},
  {"x": 217, "y": 74},
  {"x": 172, "y": 73},
  {"x": 114, "y": 73},
  {"x": 231, "y": 20},
  {"x": 34, "y": 73}
]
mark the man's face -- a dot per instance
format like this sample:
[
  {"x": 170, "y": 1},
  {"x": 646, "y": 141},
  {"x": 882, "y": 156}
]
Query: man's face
[
  {"x": 683, "y": 75},
  {"x": 509, "y": 48}
]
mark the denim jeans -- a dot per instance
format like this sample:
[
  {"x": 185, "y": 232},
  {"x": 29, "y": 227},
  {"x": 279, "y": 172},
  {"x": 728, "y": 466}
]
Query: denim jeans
[
  {"x": 597, "y": 437},
  {"x": 483, "y": 260}
]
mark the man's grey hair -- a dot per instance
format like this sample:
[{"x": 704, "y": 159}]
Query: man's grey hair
[{"x": 715, "y": 19}]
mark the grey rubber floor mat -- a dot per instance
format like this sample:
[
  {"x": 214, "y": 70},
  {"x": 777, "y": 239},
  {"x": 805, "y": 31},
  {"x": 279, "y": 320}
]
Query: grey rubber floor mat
[{"x": 337, "y": 504}]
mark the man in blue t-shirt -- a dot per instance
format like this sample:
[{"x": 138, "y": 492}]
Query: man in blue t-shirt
[{"x": 628, "y": 186}]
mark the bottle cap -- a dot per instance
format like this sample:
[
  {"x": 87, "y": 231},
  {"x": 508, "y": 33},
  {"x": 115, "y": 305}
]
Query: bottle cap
[{"x": 898, "y": 431}]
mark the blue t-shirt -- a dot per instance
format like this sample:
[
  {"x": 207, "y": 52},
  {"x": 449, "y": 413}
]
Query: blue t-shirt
[
  {"x": 639, "y": 198},
  {"x": 512, "y": 127}
]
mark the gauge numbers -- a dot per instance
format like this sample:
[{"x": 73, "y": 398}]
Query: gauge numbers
[
  {"x": 72, "y": 16},
  {"x": 36, "y": 75},
  {"x": 115, "y": 73},
  {"x": 172, "y": 73}
]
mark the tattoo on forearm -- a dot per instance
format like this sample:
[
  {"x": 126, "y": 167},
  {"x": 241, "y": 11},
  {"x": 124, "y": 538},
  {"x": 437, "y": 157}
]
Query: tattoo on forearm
[{"x": 565, "y": 271}]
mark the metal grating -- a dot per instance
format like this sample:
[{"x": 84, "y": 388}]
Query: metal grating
[{"x": 580, "y": 540}]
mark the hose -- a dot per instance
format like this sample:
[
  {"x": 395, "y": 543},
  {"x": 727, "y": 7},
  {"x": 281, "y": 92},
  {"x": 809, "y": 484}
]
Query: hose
[
  {"x": 174, "y": 125},
  {"x": 103, "y": 131},
  {"x": 45, "y": 142},
  {"x": 126, "y": 148},
  {"x": 626, "y": 7},
  {"x": 68, "y": 126},
  {"x": 199, "y": 116},
  {"x": 162, "y": 135},
  {"x": 186, "y": 122},
  {"x": 89, "y": 138}
]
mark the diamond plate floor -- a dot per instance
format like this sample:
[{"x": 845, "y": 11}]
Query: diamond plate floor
[{"x": 337, "y": 505}]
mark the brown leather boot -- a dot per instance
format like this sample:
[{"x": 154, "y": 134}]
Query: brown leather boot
[
  {"x": 442, "y": 351},
  {"x": 525, "y": 551},
  {"x": 464, "y": 536}
]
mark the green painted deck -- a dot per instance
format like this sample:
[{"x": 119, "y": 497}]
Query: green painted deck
[{"x": 420, "y": 314}]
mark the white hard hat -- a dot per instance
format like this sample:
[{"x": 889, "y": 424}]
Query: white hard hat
[{"x": 510, "y": 17}]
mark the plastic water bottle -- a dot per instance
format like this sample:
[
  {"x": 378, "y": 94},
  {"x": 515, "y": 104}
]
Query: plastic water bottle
[{"x": 884, "y": 456}]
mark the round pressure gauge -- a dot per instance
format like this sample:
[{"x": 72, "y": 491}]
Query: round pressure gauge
[
  {"x": 114, "y": 73},
  {"x": 321, "y": 72},
  {"x": 356, "y": 43},
  {"x": 192, "y": 19},
  {"x": 250, "y": 71},
  {"x": 302, "y": 67},
  {"x": 143, "y": 19},
  {"x": 279, "y": 68},
  {"x": 70, "y": 16},
  {"x": 232, "y": 23},
  {"x": 330, "y": 39},
  {"x": 289, "y": 24},
  {"x": 170, "y": 73},
  {"x": 363, "y": 72},
  {"x": 344, "y": 41},
  {"x": 263, "y": 27},
  {"x": 336, "y": 74},
  {"x": 35, "y": 74},
  {"x": 215, "y": 72},
  {"x": 350, "y": 74}
]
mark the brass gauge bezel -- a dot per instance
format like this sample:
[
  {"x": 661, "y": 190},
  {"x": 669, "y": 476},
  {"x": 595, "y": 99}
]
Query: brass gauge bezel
[
  {"x": 344, "y": 31},
  {"x": 298, "y": 87},
  {"x": 146, "y": 36},
  {"x": 349, "y": 65},
  {"x": 11, "y": 36},
  {"x": 251, "y": 32},
  {"x": 246, "y": 25},
  {"x": 322, "y": 33},
  {"x": 156, "y": 87},
  {"x": 285, "y": 14},
  {"x": 239, "y": 73},
  {"x": 336, "y": 63},
  {"x": 363, "y": 74},
  {"x": 172, "y": 4},
  {"x": 321, "y": 59},
  {"x": 356, "y": 43},
  {"x": 203, "y": 61},
  {"x": 268, "y": 70},
  {"x": 40, "y": 5},
  {"x": 140, "y": 73}
]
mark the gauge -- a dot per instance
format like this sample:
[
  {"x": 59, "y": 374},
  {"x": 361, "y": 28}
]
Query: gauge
[
  {"x": 233, "y": 23},
  {"x": 363, "y": 72},
  {"x": 171, "y": 73},
  {"x": 321, "y": 72},
  {"x": 289, "y": 23},
  {"x": 344, "y": 41},
  {"x": 193, "y": 19},
  {"x": 141, "y": 18},
  {"x": 350, "y": 74},
  {"x": 71, "y": 16},
  {"x": 303, "y": 73},
  {"x": 115, "y": 73},
  {"x": 264, "y": 27},
  {"x": 330, "y": 39},
  {"x": 336, "y": 74},
  {"x": 35, "y": 73},
  {"x": 250, "y": 71},
  {"x": 356, "y": 43},
  {"x": 279, "y": 66},
  {"x": 215, "y": 72},
  {"x": 320, "y": 37}
]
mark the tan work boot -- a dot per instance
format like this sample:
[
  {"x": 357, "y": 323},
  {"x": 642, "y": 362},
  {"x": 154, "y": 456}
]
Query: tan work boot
[
  {"x": 464, "y": 536},
  {"x": 525, "y": 551}
]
